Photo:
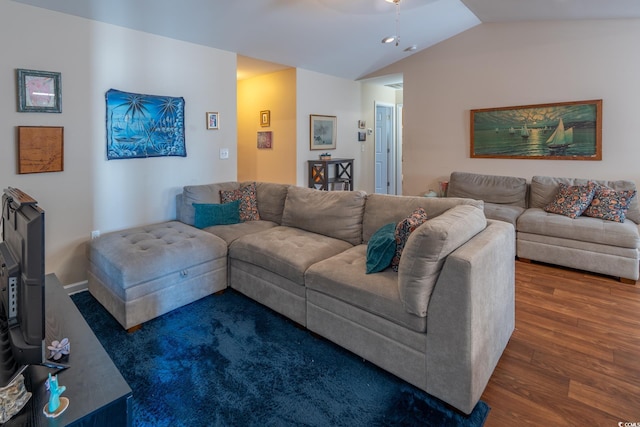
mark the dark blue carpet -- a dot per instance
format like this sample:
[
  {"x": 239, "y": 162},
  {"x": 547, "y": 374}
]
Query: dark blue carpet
[{"x": 228, "y": 361}]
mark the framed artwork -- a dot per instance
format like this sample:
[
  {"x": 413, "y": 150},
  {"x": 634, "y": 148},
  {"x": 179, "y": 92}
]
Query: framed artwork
[
  {"x": 361, "y": 124},
  {"x": 141, "y": 126},
  {"x": 323, "y": 131},
  {"x": 40, "y": 149},
  {"x": 39, "y": 91},
  {"x": 265, "y": 118},
  {"x": 362, "y": 136},
  {"x": 265, "y": 139},
  {"x": 558, "y": 131},
  {"x": 212, "y": 120}
]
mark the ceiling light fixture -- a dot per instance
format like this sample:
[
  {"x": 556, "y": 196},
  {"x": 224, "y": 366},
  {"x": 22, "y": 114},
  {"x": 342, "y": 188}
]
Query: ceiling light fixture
[{"x": 395, "y": 37}]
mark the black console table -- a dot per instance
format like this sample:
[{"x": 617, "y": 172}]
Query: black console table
[
  {"x": 320, "y": 176},
  {"x": 97, "y": 393}
]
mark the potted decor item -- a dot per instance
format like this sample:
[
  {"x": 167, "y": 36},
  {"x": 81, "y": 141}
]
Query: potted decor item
[{"x": 325, "y": 156}]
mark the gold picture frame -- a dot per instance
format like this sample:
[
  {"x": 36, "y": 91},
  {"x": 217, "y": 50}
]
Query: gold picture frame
[
  {"x": 323, "y": 131},
  {"x": 557, "y": 131},
  {"x": 265, "y": 118},
  {"x": 213, "y": 120}
]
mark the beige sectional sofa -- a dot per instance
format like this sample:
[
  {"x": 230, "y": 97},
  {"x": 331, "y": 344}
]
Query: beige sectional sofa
[
  {"x": 441, "y": 322},
  {"x": 585, "y": 243}
]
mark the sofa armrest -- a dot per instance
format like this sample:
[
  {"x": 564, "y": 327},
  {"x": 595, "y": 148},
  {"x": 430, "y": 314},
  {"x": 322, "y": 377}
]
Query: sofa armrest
[{"x": 471, "y": 316}]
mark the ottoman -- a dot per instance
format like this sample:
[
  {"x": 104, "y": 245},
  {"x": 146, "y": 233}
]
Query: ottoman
[{"x": 144, "y": 272}]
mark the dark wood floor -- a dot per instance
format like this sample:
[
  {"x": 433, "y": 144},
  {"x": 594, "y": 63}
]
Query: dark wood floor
[{"x": 574, "y": 358}]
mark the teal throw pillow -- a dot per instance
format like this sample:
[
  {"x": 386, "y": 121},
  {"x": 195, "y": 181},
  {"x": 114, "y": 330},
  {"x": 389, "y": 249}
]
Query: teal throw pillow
[
  {"x": 209, "y": 214},
  {"x": 381, "y": 248}
]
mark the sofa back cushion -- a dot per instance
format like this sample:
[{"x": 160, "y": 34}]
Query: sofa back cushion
[
  {"x": 544, "y": 189},
  {"x": 381, "y": 209},
  {"x": 336, "y": 214},
  {"x": 271, "y": 197},
  {"x": 502, "y": 190},
  {"x": 427, "y": 249},
  {"x": 203, "y": 194}
]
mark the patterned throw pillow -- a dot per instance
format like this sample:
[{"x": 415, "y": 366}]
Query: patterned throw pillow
[
  {"x": 248, "y": 201},
  {"x": 610, "y": 204},
  {"x": 403, "y": 230},
  {"x": 572, "y": 200}
]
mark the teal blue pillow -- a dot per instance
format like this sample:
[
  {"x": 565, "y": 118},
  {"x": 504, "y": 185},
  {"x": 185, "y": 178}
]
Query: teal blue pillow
[
  {"x": 208, "y": 214},
  {"x": 381, "y": 248}
]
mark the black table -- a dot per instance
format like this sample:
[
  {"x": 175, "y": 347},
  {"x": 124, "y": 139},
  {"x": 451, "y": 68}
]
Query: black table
[{"x": 97, "y": 393}]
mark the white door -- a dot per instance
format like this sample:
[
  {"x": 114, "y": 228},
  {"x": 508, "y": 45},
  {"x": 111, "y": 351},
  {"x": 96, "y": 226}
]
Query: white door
[{"x": 384, "y": 177}]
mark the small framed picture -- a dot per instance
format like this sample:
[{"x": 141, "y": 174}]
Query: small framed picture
[
  {"x": 265, "y": 139},
  {"x": 265, "y": 118},
  {"x": 39, "y": 91},
  {"x": 362, "y": 136},
  {"x": 213, "y": 120},
  {"x": 323, "y": 132},
  {"x": 361, "y": 124}
]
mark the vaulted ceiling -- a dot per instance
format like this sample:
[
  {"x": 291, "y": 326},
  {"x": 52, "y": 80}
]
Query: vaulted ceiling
[{"x": 335, "y": 37}]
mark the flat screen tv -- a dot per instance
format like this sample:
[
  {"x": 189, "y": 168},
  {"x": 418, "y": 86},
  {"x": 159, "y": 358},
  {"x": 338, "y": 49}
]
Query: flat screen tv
[{"x": 22, "y": 308}]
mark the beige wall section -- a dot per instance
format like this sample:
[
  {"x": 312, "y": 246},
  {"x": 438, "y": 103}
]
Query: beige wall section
[
  {"x": 93, "y": 193},
  {"x": 332, "y": 96},
  {"x": 371, "y": 94},
  {"x": 496, "y": 65},
  {"x": 275, "y": 92}
]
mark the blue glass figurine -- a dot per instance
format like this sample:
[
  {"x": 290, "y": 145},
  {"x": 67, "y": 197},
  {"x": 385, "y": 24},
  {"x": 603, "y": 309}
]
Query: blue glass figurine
[{"x": 54, "y": 393}]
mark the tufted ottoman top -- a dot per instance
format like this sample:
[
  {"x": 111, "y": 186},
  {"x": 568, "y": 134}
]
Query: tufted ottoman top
[{"x": 133, "y": 256}]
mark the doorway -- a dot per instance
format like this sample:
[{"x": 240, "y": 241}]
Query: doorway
[{"x": 385, "y": 149}]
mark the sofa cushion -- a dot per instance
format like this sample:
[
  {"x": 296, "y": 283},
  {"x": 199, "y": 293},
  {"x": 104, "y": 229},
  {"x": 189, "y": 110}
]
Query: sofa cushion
[
  {"x": 248, "y": 203},
  {"x": 506, "y": 213},
  {"x": 336, "y": 214},
  {"x": 427, "y": 249},
  {"x": 583, "y": 228},
  {"x": 209, "y": 193},
  {"x": 503, "y": 190},
  {"x": 381, "y": 248},
  {"x": 571, "y": 200},
  {"x": 343, "y": 277},
  {"x": 403, "y": 230},
  {"x": 208, "y": 214},
  {"x": 231, "y": 232},
  {"x": 286, "y": 251},
  {"x": 610, "y": 204},
  {"x": 381, "y": 209},
  {"x": 270, "y": 197},
  {"x": 544, "y": 188}
]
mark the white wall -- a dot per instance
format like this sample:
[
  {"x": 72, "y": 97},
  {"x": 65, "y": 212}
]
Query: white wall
[
  {"x": 498, "y": 65},
  {"x": 93, "y": 193},
  {"x": 370, "y": 95},
  {"x": 331, "y": 96}
]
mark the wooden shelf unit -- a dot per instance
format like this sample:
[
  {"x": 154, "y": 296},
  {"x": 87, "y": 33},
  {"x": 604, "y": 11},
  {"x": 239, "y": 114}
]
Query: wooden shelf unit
[{"x": 321, "y": 178}]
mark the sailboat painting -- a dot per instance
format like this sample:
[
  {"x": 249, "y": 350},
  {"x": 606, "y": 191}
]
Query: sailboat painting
[
  {"x": 141, "y": 126},
  {"x": 559, "y": 131}
]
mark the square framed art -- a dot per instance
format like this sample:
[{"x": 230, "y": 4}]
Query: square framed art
[{"x": 39, "y": 91}]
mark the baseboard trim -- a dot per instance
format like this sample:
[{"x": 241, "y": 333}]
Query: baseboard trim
[{"x": 74, "y": 288}]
